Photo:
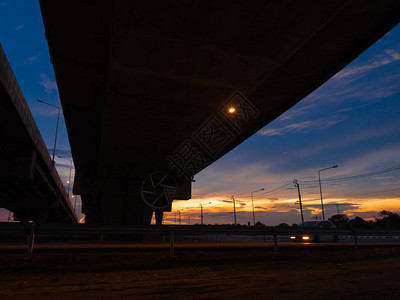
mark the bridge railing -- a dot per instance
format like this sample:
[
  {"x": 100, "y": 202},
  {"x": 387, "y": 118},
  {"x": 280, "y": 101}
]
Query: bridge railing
[{"x": 80, "y": 231}]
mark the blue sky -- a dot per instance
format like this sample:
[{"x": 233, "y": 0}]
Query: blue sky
[{"x": 352, "y": 120}]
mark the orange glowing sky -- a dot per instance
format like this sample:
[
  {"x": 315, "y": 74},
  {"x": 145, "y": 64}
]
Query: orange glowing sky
[{"x": 352, "y": 121}]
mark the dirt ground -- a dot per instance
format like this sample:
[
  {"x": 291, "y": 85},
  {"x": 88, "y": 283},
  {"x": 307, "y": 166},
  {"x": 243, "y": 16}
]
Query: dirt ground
[{"x": 297, "y": 273}]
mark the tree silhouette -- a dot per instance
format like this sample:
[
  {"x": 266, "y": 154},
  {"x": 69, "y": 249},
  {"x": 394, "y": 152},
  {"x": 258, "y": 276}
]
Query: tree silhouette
[
  {"x": 358, "y": 222},
  {"x": 340, "y": 220},
  {"x": 389, "y": 220}
]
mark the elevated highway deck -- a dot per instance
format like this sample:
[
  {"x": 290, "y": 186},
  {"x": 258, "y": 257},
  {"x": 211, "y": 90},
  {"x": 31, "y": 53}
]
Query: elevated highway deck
[
  {"x": 30, "y": 186},
  {"x": 155, "y": 91}
]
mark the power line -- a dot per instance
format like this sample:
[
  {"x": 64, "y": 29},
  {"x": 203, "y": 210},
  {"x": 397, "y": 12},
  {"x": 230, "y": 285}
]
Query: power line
[
  {"x": 278, "y": 189},
  {"x": 353, "y": 177}
]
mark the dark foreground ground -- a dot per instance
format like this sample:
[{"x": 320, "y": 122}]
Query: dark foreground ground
[{"x": 242, "y": 273}]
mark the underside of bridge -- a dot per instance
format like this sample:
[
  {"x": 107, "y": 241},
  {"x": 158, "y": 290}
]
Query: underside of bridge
[
  {"x": 155, "y": 91},
  {"x": 30, "y": 186}
]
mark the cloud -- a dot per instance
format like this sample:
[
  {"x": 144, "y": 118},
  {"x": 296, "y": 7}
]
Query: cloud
[
  {"x": 390, "y": 56},
  {"x": 227, "y": 201},
  {"x": 19, "y": 27},
  {"x": 304, "y": 126},
  {"x": 31, "y": 59},
  {"x": 395, "y": 55},
  {"x": 49, "y": 85},
  {"x": 345, "y": 141},
  {"x": 382, "y": 177}
]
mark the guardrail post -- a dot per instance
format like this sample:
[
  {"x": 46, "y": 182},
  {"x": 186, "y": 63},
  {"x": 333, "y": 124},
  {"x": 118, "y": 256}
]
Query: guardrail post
[
  {"x": 31, "y": 240},
  {"x": 275, "y": 241},
  {"x": 171, "y": 248},
  {"x": 355, "y": 240}
]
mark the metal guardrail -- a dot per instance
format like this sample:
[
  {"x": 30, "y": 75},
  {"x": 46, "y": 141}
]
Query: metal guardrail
[{"x": 32, "y": 230}]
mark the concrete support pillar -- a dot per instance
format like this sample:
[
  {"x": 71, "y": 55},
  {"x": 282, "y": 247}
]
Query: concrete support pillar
[
  {"x": 137, "y": 212},
  {"x": 121, "y": 203},
  {"x": 159, "y": 216}
]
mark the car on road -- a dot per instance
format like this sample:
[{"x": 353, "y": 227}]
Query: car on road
[{"x": 312, "y": 237}]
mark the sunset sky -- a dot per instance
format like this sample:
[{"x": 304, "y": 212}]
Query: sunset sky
[{"x": 352, "y": 121}]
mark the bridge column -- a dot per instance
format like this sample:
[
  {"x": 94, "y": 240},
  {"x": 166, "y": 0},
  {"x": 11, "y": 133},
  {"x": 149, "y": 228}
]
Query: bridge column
[
  {"x": 159, "y": 216},
  {"x": 137, "y": 212},
  {"x": 121, "y": 203}
]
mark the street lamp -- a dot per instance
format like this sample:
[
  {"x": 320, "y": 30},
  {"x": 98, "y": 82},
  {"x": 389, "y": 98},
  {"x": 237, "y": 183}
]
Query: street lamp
[
  {"x": 201, "y": 211},
  {"x": 320, "y": 189},
  {"x": 58, "y": 119},
  {"x": 73, "y": 196},
  {"x": 234, "y": 207},
  {"x": 252, "y": 205},
  {"x": 70, "y": 168}
]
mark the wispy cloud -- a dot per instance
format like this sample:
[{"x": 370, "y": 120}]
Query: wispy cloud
[
  {"x": 304, "y": 126},
  {"x": 50, "y": 85},
  {"x": 346, "y": 140},
  {"x": 31, "y": 59},
  {"x": 390, "y": 56}
]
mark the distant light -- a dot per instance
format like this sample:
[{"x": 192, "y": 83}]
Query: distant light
[
  {"x": 68, "y": 181},
  {"x": 231, "y": 110},
  {"x": 73, "y": 196},
  {"x": 293, "y": 237},
  {"x": 306, "y": 237}
]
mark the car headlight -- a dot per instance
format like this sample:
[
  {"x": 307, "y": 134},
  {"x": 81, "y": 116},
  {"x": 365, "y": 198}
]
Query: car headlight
[
  {"x": 306, "y": 237},
  {"x": 292, "y": 237}
]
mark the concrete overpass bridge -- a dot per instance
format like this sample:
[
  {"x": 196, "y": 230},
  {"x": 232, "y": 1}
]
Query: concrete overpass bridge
[
  {"x": 155, "y": 91},
  {"x": 29, "y": 185}
]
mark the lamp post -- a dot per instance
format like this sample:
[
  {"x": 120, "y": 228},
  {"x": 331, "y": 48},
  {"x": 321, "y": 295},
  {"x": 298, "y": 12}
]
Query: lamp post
[
  {"x": 58, "y": 119},
  {"x": 179, "y": 215},
  {"x": 252, "y": 205},
  {"x": 70, "y": 168},
  {"x": 320, "y": 188},
  {"x": 234, "y": 207},
  {"x": 73, "y": 196},
  {"x": 201, "y": 211}
]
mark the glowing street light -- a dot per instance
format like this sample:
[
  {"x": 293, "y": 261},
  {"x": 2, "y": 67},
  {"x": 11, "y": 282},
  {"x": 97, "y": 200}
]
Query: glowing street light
[
  {"x": 231, "y": 110},
  {"x": 252, "y": 205},
  {"x": 58, "y": 119},
  {"x": 73, "y": 196},
  {"x": 320, "y": 189},
  {"x": 70, "y": 168}
]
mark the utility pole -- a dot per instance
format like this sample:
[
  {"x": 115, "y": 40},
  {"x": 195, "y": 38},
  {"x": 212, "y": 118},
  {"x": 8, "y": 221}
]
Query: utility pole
[
  {"x": 296, "y": 184},
  {"x": 179, "y": 212},
  {"x": 201, "y": 211},
  {"x": 337, "y": 207},
  {"x": 201, "y": 214},
  {"x": 234, "y": 207}
]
